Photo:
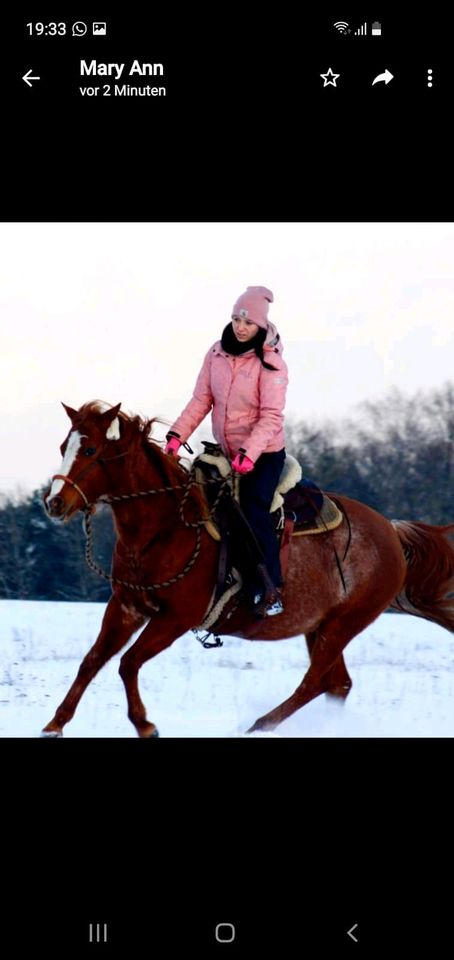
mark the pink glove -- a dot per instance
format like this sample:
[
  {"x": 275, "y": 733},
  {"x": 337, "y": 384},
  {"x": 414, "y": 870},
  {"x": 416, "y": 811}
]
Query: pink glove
[
  {"x": 172, "y": 446},
  {"x": 242, "y": 463}
]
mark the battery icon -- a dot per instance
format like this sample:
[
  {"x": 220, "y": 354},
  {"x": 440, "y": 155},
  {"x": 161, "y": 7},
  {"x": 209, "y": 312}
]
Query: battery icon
[{"x": 376, "y": 29}]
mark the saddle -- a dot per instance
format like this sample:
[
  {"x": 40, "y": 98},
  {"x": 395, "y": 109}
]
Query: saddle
[
  {"x": 296, "y": 498},
  {"x": 298, "y": 508}
]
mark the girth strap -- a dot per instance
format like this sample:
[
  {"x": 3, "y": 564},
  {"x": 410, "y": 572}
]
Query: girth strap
[{"x": 223, "y": 557}]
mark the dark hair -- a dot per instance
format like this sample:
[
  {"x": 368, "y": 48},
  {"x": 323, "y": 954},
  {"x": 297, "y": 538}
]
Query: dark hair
[
  {"x": 231, "y": 345},
  {"x": 258, "y": 342}
]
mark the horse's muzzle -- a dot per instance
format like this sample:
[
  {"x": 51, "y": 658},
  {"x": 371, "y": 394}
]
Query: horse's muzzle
[{"x": 55, "y": 507}]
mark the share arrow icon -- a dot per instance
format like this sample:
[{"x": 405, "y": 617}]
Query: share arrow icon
[{"x": 386, "y": 76}]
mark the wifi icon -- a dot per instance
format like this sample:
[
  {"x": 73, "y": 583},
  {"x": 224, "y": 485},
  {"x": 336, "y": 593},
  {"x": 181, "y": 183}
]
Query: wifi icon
[{"x": 341, "y": 26}]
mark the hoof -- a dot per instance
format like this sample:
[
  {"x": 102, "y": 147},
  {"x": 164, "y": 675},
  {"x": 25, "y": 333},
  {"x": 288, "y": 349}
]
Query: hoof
[
  {"x": 256, "y": 728},
  {"x": 262, "y": 726},
  {"x": 50, "y": 734},
  {"x": 339, "y": 693},
  {"x": 150, "y": 736}
]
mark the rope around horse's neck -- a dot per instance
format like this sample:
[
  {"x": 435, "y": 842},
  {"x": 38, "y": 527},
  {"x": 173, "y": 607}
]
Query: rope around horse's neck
[
  {"x": 125, "y": 583},
  {"x": 145, "y": 493}
]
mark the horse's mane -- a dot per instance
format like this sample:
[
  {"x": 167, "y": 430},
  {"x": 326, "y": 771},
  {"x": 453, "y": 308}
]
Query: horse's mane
[
  {"x": 142, "y": 425},
  {"x": 172, "y": 471}
]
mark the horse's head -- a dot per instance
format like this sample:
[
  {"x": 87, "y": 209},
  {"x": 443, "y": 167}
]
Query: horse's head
[{"x": 92, "y": 441}]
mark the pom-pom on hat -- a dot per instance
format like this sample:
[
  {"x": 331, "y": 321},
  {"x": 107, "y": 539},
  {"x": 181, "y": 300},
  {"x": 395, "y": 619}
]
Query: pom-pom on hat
[{"x": 253, "y": 305}]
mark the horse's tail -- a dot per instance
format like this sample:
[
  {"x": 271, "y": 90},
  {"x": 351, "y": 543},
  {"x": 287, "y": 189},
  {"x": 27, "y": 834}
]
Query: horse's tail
[{"x": 428, "y": 590}]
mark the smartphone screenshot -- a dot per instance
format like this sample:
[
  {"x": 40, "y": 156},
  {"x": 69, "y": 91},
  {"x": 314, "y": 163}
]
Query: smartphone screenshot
[{"x": 226, "y": 509}]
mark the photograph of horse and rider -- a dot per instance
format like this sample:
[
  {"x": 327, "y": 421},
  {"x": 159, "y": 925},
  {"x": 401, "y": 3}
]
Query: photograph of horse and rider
[{"x": 298, "y": 484}]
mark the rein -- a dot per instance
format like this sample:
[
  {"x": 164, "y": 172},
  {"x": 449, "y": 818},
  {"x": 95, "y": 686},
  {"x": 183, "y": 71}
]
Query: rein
[
  {"x": 88, "y": 509},
  {"x": 125, "y": 583},
  {"x": 84, "y": 471}
]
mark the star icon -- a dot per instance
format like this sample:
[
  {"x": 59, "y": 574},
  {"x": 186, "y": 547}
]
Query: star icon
[{"x": 330, "y": 78}]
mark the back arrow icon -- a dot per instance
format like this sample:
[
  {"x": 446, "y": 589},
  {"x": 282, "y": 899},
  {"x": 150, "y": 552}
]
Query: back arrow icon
[
  {"x": 350, "y": 932},
  {"x": 386, "y": 76},
  {"x": 27, "y": 78}
]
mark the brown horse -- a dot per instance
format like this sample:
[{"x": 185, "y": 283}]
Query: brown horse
[{"x": 164, "y": 569}]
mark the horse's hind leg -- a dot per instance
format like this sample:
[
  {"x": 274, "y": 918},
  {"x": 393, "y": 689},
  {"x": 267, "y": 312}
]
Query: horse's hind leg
[
  {"x": 337, "y": 681},
  {"x": 330, "y": 640},
  {"x": 118, "y": 625}
]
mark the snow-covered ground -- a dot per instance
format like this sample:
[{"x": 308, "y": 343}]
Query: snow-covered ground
[{"x": 401, "y": 667}]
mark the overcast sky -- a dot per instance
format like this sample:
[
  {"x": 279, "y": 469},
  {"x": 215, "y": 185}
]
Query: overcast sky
[{"x": 126, "y": 311}]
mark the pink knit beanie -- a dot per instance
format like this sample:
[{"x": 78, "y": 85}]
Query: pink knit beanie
[{"x": 253, "y": 305}]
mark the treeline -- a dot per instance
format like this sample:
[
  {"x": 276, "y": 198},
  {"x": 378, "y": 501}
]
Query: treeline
[
  {"x": 397, "y": 455},
  {"x": 42, "y": 561}
]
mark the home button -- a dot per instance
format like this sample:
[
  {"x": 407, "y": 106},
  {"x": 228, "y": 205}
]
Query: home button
[{"x": 225, "y": 932}]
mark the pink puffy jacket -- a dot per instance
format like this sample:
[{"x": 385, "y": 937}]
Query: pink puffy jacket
[{"x": 246, "y": 399}]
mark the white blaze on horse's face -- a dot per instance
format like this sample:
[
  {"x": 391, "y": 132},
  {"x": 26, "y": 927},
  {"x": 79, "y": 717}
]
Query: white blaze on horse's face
[
  {"x": 72, "y": 449},
  {"x": 73, "y": 446}
]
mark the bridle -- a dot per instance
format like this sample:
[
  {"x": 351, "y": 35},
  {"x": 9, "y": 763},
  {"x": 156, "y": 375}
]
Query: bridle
[
  {"x": 72, "y": 483},
  {"x": 82, "y": 473},
  {"x": 89, "y": 508}
]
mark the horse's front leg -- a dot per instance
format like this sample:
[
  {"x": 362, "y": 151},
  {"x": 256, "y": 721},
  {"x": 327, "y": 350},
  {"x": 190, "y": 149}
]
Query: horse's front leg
[
  {"x": 118, "y": 625},
  {"x": 157, "y": 635}
]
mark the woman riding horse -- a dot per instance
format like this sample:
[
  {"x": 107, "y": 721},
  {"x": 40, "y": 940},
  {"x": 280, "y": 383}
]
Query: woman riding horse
[{"x": 246, "y": 395}]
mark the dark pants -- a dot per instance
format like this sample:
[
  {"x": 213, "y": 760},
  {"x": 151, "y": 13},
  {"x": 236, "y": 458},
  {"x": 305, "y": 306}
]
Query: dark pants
[{"x": 257, "y": 489}]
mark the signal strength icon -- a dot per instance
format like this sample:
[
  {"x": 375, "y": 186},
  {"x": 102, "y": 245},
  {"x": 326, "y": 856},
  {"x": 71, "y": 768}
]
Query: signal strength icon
[
  {"x": 341, "y": 26},
  {"x": 361, "y": 31}
]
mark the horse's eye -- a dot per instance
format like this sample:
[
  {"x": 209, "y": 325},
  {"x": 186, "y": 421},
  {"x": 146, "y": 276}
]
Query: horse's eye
[{"x": 89, "y": 451}]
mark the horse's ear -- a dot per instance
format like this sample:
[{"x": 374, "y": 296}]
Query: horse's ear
[
  {"x": 110, "y": 414},
  {"x": 69, "y": 410},
  {"x": 111, "y": 423}
]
